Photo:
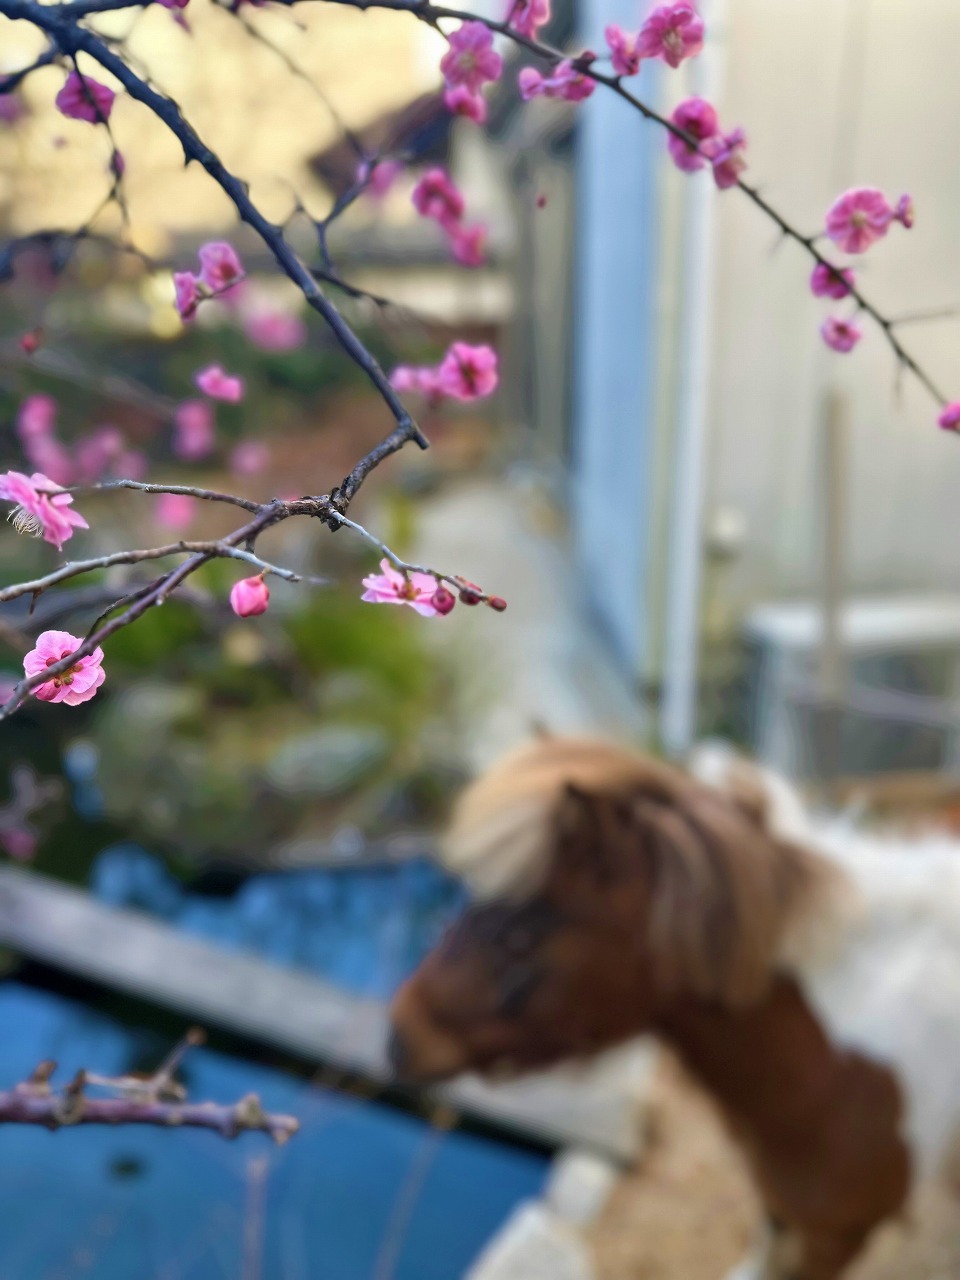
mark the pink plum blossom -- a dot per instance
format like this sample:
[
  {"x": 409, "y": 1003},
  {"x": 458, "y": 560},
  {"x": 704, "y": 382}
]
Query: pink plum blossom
[
  {"x": 83, "y": 98},
  {"x": 625, "y": 50},
  {"x": 95, "y": 453},
  {"x": 175, "y": 510},
  {"x": 859, "y": 218},
  {"x": 566, "y": 82},
  {"x": 528, "y": 16},
  {"x": 831, "y": 282},
  {"x": 698, "y": 118},
  {"x": 215, "y": 382},
  {"x": 436, "y": 196},
  {"x": 249, "y": 458},
  {"x": 174, "y": 4},
  {"x": 390, "y": 586},
  {"x": 249, "y": 597},
  {"x": 468, "y": 372},
  {"x": 36, "y": 420},
  {"x": 839, "y": 334},
  {"x": 471, "y": 60},
  {"x": 904, "y": 212},
  {"x": 379, "y": 176},
  {"x": 42, "y": 508},
  {"x": 194, "y": 430},
  {"x": 275, "y": 330},
  {"x": 36, "y": 416},
  {"x": 672, "y": 32},
  {"x": 187, "y": 293},
  {"x": 468, "y": 244},
  {"x": 950, "y": 418},
  {"x": 420, "y": 379},
  {"x": 459, "y": 101},
  {"x": 220, "y": 266},
  {"x": 725, "y": 153},
  {"x": 75, "y": 685}
]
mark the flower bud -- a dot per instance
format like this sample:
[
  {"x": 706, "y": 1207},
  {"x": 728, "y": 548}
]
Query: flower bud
[
  {"x": 249, "y": 596},
  {"x": 469, "y": 595},
  {"x": 497, "y": 602},
  {"x": 443, "y": 600},
  {"x": 30, "y": 341}
]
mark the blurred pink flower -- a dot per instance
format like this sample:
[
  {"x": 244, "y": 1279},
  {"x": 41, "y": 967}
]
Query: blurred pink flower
[
  {"x": 249, "y": 597},
  {"x": 220, "y": 265},
  {"x": 275, "y": 330},
  {"x": 380, "y": 175},
  {"x": 672, "y": 32},
  {"x": 215, "y": 382},
  {"x": 391, "y": 587},
  {"x": 36, "y": 416},
  {"x": 625, "y": 50},
  {"x": 698, "y": 118},
  {"x": 566, "y": 82},
  {"x": 175, "y": 510},
  {"x": 950, "y": 418},
  {"x": 94, "y": 453},
  {"x": 132, "y": 464},
  {"x": 858, "y": 219},
  {"x": 75, "y": 685},
  {"x": 461, "y": 102},
  {"x": 85, "y": 99},
  {"x": 468, "y": 372},
  {"x": 436, "y": 196},
  {"x": 528, "y": 16},
  {"x": 41, "y": 507},
  {"x": 421, "y": 379},
  {"x": 725, "y": 153},
  {"x": 471, "y": 59},
  {"x": 904, "y": 212},
  {"x": 187, "y": 293},
  {"x": 194, "y": 430},
  {"x": 841, "y": 335},
  {"x": 831, "y": 282},
  {"x": 19, "y": 843},
  {"x": 468, "y": 244},
  {"x": 249, "y": 458}
]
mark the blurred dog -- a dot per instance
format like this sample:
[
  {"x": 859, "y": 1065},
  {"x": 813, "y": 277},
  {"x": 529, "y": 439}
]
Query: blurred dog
[{"x": 809, "y": 976}]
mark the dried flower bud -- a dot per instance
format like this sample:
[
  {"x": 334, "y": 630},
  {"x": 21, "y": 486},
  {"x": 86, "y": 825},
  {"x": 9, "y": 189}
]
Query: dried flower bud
[
  {"x": 497, "y": 602},
  {"x": 443, "y": 600},
  {"x": 469, "y": 595},
  {"x": 30, "y": 341}
]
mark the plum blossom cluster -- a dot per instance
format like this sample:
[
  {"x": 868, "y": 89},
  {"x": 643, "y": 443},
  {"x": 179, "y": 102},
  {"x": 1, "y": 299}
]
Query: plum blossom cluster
[
  {"x": 436, "y": 196},
  {"x": 466, "y": 372},
  {"x": 220, "y": 271},
  {"x": 706, "y": 143},
  {"x": 672, "y": 33},
  {"x": 568, "y": 80},
  {"x": 102, "y": 452},
  {"x": 855, "y": 221},
  {"x": 423, "y": 592},
  {"x": 467, "y": 67}
]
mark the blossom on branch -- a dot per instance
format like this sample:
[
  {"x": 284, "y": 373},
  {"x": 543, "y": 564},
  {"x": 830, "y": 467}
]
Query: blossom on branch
[
  {"x": 75, "y": 685},
  {"x": 220, "y": 266},
  {"x": 950, "y": 418},
  {"x": 42, "y": 509},
  {"x": 83, "y": 98},
  {"x": 831, "y": 282},
  {"x": 725, "y": 153},
  {"x": 215, "y": 382},
  {"x": 187, "y": 294},
  {"x": 625, "y": 50},
  {"x": 698, "y": 118},
  {"x": 459, "y": 101},
  {"x": 467, "y": 372},
  {"x": 841, "y": 335},
  {"x": 437, "y": 196},
  {"x": 567, "y": 82},
  {"x": 862, "y": 216},
  {"x": 249, "y": 597},
  {"x": 528, "y": 16},
  {"x": 468, "y": 244},
  {"x": 672, "y": 32},
  {"x": 471, "y": 60},
  {"x": 390, "y": 586}
]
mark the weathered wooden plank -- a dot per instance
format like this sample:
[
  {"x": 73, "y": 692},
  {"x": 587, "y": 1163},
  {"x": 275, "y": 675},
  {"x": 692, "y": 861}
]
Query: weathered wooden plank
[{"x": 296, "y": 1011}]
